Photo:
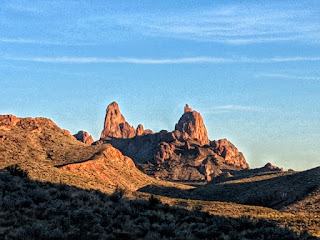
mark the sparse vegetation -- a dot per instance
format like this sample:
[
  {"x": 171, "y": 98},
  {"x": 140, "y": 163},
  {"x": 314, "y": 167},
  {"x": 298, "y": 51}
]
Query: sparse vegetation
[{"x": 36, "y": 210}]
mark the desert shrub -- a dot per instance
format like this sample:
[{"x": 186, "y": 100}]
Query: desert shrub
[
  {"x": 16, "y": 170},
  {"x": 197, "y": 208},
  {"x": 153, "y": 201},
  {"x": 117, "y": 195},
  {"x": 70, "y": 213},
  {"x": 39, "y": 195}
]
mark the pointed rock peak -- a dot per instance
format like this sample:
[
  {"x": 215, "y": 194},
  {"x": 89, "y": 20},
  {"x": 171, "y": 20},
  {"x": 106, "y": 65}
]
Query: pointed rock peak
[
  {"x": 187, "y": 108},
  {"x": 115, "y": 124},
  {"x": 192, "y": 127},
  {"x": 140, "y": 130},
  {"x": 113, "y": 106}
]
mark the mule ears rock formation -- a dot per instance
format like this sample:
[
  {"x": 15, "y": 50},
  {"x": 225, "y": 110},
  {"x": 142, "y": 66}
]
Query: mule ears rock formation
[
  {"x": 191, "y": 126},
  {"x": 183, "y": 154},
  {"x": 84, "y": 137}
]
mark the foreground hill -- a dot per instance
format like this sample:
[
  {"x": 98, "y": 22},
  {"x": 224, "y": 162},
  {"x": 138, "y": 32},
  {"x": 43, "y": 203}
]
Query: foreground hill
[
  {"x": 184, "y": 154},
  {"x": 35, "y": 210}
]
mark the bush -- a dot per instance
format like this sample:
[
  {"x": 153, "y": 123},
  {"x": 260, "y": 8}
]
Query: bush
[
  {"x": 15, "y": 170},
  {"x": 117, "y": 195}
]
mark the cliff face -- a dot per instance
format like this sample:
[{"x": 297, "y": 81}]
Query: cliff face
[
  {"x": 116, "y": 126},
  {"x": 229, "y": 152},
  {"x": 191, "y": 126},
  {"x": 184, "y": 154}
]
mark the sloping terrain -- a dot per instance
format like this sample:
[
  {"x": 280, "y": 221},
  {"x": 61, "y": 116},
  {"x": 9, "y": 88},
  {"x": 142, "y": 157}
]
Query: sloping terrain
[
  {"x": 308, "y": 205},
  {"x": 37, "y": 149},
  {"x": 37, "y": 210},
  {"x": 45, "y": 152},
  {"x": 269, "y": 189},
  {"x": 39, "y": 139},
  {"x": 276, "y": 192}
]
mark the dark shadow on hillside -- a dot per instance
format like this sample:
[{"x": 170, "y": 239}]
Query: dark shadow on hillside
[
  {"x": 37, "y": 210},
  {"x": 274, "y": 193}
]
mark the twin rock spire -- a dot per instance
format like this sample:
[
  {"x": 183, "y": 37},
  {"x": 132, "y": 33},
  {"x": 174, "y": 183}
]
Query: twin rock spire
[{"x": 190, "y": 126}]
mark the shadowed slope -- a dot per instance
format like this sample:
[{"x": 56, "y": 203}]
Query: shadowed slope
[{"x": 35, "y": 210}]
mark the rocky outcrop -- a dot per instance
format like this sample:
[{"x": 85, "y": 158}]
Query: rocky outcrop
[
  {"x": 229, "y": 152},
  {"x": 269, "y": 167},
  {"x": 115, "y": 125},
  {"x": 191, "y": 126},
  {"x": 11, "y": 122},
  {"x": 183, "y": 154},
  {"x": 165, "y": 151},
  {"x": 84, "y": 137},
  {"x": 139, "y": 130}
]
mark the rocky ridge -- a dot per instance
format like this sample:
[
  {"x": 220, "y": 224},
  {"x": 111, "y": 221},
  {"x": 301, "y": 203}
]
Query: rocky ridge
[{"x": 183, "y": 154}]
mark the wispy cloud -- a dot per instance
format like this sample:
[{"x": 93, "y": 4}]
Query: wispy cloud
[
  {"x": 287, "y": 76},
  {"x": 236, "y": 23},
  {"x": 231, "y": 108},
  {"x": 237, "y": 108},
  {"x": 41, "y": 42},
  {"x": 213, "y": 60}
]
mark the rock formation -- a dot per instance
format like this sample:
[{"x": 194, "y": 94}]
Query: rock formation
[
  {"x": 115, "y": 125},
  {"x": 192, "y": 127},
  {"x": 270, "y": 167},
  {"x": 183, "y": 154},
  {"x": 84, "y": 137},
  {"x": 229, "y": 152},
  {"x": 139, "y": 130}
]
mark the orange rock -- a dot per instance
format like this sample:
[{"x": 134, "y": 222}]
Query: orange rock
[
  {"x": 84, "y": 137},
  {"x": 192, "y": 127},
  {"x": 230, "y": 153},
  {"x": 139, "y": 130},
  {"x": 115, "y": 125}
]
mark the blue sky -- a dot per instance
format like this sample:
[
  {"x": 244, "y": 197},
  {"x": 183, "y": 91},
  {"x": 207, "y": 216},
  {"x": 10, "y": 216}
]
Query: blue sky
[{"x": 251, "y": 69}]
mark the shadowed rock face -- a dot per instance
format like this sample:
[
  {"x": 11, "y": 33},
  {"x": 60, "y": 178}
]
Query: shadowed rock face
[
  {"x": 184, "y": 154},
  {"x": 84, "y": 137}
]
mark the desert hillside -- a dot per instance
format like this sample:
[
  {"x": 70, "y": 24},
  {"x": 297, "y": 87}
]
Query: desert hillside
[{"x": 42, "y": 164}]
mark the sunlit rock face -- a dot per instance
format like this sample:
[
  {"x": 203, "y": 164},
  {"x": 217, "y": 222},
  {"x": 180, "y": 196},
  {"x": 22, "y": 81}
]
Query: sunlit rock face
[
  {"x": 229, "y": 152},
  {"x": 115, "y": 125},
  {"x": 84, "y": 137},
  {"x": 191, "y": 126}
]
